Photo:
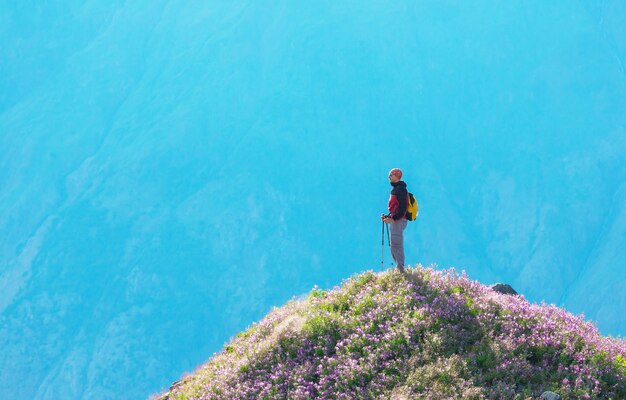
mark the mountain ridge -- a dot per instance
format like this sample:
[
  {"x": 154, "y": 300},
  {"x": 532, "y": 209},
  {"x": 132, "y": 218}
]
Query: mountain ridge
[{"x": 427, "y": 333}]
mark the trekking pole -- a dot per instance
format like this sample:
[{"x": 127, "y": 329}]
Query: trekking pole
[
  {"x": 389, "y": 240},
  {"x": 382, "y": 254}
]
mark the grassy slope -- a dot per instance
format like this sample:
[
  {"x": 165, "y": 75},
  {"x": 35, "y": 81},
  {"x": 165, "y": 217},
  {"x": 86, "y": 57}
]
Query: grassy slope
[{"x": 427, "y": 334}]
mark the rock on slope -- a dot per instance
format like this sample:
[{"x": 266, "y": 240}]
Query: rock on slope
[{"x": 426, "y": 334}]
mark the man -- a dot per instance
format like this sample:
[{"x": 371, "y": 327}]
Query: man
[{"x": 396, "y": 219}]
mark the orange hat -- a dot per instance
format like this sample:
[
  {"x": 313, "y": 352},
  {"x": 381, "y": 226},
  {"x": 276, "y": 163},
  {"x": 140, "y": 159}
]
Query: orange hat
[{"x": 396, "y": 171}]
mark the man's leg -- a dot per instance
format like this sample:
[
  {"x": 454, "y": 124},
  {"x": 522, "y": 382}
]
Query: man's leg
[{"x": 397, "y": 242}]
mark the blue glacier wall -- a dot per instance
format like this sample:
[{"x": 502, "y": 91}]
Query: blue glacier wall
[{"x": 170, "y": 171}]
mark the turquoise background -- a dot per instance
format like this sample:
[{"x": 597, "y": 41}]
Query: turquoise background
[{"x": 170, "y": 171}]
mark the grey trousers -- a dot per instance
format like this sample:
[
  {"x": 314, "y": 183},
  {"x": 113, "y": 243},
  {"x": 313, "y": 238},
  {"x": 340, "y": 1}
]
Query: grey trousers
[{"x": 396, "y": 240}]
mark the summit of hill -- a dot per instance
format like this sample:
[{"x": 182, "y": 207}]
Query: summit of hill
[{"x": 425, "y": 334}]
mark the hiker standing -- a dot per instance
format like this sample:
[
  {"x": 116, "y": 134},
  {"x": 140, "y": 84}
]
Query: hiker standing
[{"x": 397, "y": 216}]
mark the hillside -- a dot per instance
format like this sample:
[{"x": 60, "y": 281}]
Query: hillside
[{"x": 427, "y": 334}]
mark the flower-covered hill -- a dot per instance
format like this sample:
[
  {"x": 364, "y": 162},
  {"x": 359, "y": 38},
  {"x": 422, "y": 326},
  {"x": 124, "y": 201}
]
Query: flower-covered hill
[{"x": 427, "y": 334}]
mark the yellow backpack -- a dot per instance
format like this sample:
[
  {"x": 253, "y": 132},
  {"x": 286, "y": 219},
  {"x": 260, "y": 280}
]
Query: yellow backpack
[{"x": 412, "y": 210}]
